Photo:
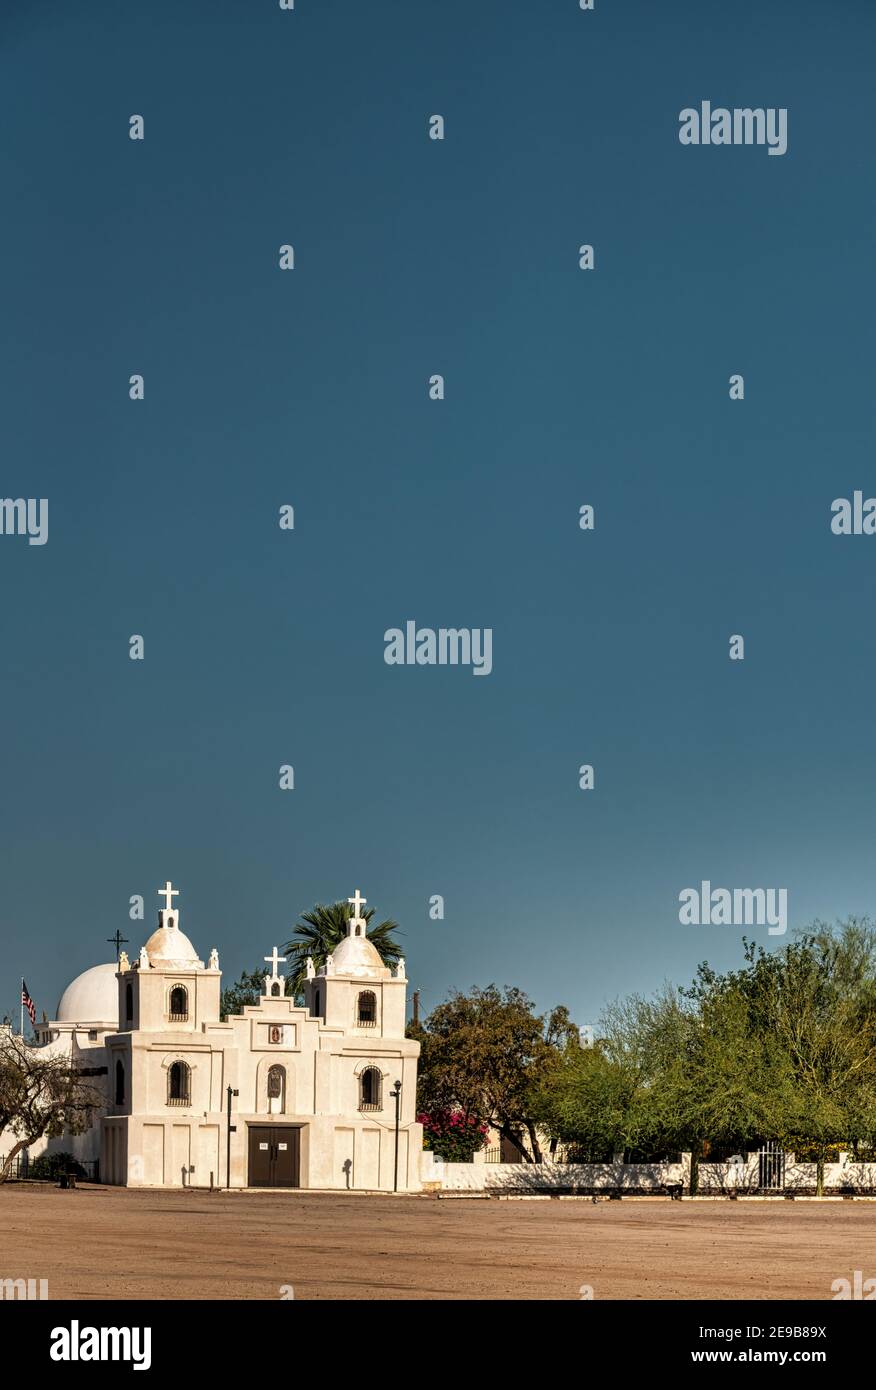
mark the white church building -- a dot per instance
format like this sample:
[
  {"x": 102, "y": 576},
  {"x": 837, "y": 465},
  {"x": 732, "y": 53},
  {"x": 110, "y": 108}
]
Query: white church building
[{"x": 319, "y": 1095}]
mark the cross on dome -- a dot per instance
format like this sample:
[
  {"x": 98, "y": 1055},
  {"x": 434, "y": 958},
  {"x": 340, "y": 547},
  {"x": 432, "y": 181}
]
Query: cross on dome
[
  {"x": 169, "y": 894},
  {"x": 357, "y": 920}
]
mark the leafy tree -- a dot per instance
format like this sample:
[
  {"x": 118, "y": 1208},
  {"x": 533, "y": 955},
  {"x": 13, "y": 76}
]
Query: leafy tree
[
  {"x": 824, "y": 1015},
  {"x": 485, "y": 1055},
  {"x": 784, "y": 1048},
  {"x": 729, "y": 1083},
  {"x": 586, "y": 1100},
  {"x": 322, "y": 929},
  {"x": 629, "y": 1090},
  {"x": 40, "y": 1096},
  {"x": 806, "y": 1055}
]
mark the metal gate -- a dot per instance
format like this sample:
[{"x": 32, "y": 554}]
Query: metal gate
[{"x": 771, "y": 1167}]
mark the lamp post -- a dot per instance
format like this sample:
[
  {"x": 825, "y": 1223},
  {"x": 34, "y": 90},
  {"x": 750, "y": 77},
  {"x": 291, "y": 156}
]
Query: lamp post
[
  {"x": 396, "y": 1095},
  {"x": 231, "y": 1129}
]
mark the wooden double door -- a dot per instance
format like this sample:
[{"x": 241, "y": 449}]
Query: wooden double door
[{"x": 274, "y": 1156}]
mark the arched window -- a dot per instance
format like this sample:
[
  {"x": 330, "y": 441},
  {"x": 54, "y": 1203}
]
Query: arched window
[
  {"x": 369, "y": 1089},
  {"x": 120, "y": 1083},
  {"x": 179, "y": 1084},
  {"x": 179, "y": 1004},
  {"x": 316, "y": 1002},
  {"x": 275, "y": 989},
  {"x": 366, "y": 1009},
  {"x": 129, "y": 1003},
  {"x": 276, "y": 1090}
]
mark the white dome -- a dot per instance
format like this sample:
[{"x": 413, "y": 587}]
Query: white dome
[
  {"x": 93, "y": 997},
  {"x": 170, "y": 946},
  {"x": 356, "y": 955}
]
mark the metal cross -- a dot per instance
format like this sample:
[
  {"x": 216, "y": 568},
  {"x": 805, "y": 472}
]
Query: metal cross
[{"x": 118, "y": 941}]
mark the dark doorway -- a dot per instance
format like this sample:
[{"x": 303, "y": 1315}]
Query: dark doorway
[{"x": 274, "y": 1155}]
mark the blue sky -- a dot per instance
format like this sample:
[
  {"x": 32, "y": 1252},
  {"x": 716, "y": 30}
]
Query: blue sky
[{"x": 310, "y": 387}]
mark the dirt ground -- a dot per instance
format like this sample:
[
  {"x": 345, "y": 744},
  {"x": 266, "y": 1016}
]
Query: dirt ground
[{"x": 106, "y": 1242}]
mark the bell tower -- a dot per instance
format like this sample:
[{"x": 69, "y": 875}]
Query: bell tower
[
  {"x": 354, "y": 990},
  {"x": 167, "y": 988}
]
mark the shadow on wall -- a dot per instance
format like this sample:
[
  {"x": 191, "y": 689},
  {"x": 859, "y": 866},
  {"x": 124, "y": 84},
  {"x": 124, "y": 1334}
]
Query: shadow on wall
[
  {"x": 738, "y": 1175},
  {"x": 529, "y": 1177}
]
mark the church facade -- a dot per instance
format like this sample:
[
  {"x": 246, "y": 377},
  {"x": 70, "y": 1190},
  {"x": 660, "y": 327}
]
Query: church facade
[{"x": 319, "y": 1095}]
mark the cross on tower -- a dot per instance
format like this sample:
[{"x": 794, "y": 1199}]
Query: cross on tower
[
  {"x": 118, "y": 941},
  {"x": 273, "y": 960},
  {"x": 357, "y": 903},
  {"x": 169, "y": 894}
]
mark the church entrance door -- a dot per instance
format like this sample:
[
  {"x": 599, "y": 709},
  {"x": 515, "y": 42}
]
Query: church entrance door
[{"x": 274, "y": 1155}]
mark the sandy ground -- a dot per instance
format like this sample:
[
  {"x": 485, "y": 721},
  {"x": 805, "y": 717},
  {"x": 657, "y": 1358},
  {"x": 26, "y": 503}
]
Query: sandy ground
[{"x": 105, "y": 1242}]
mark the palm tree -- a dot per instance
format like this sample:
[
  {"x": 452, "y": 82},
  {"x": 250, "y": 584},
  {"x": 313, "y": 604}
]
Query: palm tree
[{"x": 321, "y": 931}]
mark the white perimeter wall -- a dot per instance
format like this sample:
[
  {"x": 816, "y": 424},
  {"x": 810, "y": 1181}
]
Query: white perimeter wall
[
  {"x": 633, "y": 1177},
  {"x": 501, "y": 1177}
]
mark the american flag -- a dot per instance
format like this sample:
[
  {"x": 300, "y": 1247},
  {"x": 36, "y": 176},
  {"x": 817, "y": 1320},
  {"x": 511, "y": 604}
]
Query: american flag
[{"x": 28, "y": 1002}]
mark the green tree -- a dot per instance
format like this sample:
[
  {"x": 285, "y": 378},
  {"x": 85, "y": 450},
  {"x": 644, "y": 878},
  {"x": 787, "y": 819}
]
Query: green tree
[
  {"x": 322, "y": 929},
  {"x": 729, "y": 1084},
  {"x": 586, "y": 1100},
  {"x": 40, "y": 1095},
  {"x": 679, "y": 1072},
  {"x": 805, "y": 1041},
  {"x": 630, "y": 1090},
  {"x": 824, "y": 1015},
  {"x": 783, "y": 1048},
  {"x": 486, "y": 1054}
]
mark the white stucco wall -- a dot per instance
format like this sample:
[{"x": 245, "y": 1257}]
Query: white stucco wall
[{"x": 510, "y": 1177}]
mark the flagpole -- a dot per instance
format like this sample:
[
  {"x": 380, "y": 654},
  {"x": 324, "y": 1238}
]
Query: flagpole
[{"x": 21, "y": 1028}]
